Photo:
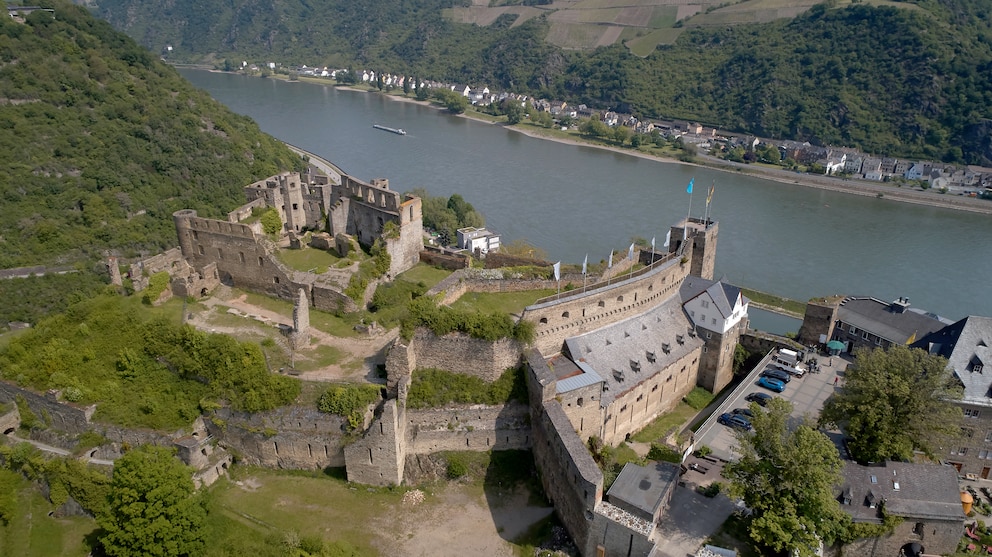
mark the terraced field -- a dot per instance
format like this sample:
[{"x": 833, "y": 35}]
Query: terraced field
[{"x": 641, "y": 25}]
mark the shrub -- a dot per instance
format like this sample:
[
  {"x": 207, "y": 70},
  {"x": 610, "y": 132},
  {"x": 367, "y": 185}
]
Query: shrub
[
  {"x": 457, "y": 467},
  {"x": 441, "y": 320},
  {"x": 664, "y": 453},
  {"x": 271, "y": 223},
  {"x": 156, "y": 286},
  {"x": 432, "y": 388},
  {"x": 349, "y": 401}
]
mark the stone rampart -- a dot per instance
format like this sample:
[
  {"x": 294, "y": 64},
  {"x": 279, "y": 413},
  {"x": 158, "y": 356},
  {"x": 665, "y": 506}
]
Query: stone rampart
[
  {"x": 455, "y": 352},
  {"x": 290, "y": 437},
  {"x": 578, "y": 312},
  {"x": 468, "y": 428},
  {"x": 62, "y": 416},
  {"x": 758, "y": 342},
  {"x": 570, "y": 477},
  {"x": 245, "y": 211}
]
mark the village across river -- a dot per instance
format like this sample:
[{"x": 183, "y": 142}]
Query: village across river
[{"x": 570, "y": 200}]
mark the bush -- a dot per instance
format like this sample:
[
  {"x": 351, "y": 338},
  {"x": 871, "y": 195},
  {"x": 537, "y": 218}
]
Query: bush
[
  {"x": 442, "y": 320},
  {"x": 664, "y": 453},
  {"x": 271, "y": 223},
  {"x": 711, "y": 490},
  {"x": 156, "y": 286},
  {"x": 433, "y": 388},
  {"x": 457, "y": 467},
  {"x": 349, "y": 401}
]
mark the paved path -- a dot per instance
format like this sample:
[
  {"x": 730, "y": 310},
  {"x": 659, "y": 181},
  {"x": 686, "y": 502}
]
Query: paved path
[
  {"x": 59, "y": 451},
  {"x": 690, "y": 520}
]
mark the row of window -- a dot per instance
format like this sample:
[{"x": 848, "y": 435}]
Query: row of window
[{"x": 865, "y": 335}]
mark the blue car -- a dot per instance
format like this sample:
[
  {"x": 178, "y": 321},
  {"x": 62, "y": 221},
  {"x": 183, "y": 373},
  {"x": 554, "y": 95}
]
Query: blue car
[
  {"x": 735, "y": 421},
  {"x": 771, "y": 384}
]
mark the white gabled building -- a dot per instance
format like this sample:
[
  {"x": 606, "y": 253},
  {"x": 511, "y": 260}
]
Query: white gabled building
[{"x": 719, "y": 312}]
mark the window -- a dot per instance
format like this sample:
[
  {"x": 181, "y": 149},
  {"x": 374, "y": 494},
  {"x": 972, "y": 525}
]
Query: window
[
  {"x": 854, "y": 330},
  {"x": 967, "y": 432},
  {"x": 708, "y": 334},
  {"x": 199, "y": 249},
  {"x": 705, "y": 304},
  {"x": 960, "y": 451},
  {"x": 703, "y": 317},
  {"x": 983, "y": 454},
  {"x": 918, "y": 529},
  {"x": 578, "y": 401},
  {"x": 878, "y": 341},
  {"x": 969, "y": 413},
  {"x": 988, "y": 437},
  {"x": 713, "y": 321}
]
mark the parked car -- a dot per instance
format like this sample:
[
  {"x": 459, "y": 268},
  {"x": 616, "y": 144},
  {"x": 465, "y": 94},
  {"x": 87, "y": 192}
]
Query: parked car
[
  {"x": 746, "y": 412},
  {"x": 796, "y": 370},
  {"x": 761, "y": 398},
  {"x": 735, "y": 421},
  {"x": 771, "y": 384},
  {"x": 777, "y": 374}
]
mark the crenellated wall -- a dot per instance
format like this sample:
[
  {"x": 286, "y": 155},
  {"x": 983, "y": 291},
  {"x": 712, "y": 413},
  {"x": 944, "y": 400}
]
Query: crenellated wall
[
  {"x": 292, "y": 437},
  {"x": 577, "y": 312}
]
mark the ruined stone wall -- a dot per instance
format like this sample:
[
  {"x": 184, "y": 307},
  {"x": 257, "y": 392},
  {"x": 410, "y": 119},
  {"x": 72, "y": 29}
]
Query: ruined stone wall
[
  {"x": 468, "y": 428},
  {"x": 246, "y": 210},
  {"x": 939, "y": 537},
  {"x": 577, "y": 312},
  {"x": 405, "y": 251},
  {"x": 455, "y": 352},
  {"x": 379, "y": 456},
  {"x": 242, "y": 261},
  {"x": 292, "y": 437},
  {"x": 63, "y": 416},
  {"x": 331, "y": 299},
  {"x": 570, "y": 477},
  {"x": 453, "y": 261}
]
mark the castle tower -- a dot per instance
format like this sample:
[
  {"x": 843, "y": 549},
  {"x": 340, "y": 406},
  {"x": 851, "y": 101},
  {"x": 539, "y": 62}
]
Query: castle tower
[
  {"x": 702, "y": 235},
  {"x": 301, "y": 320}
]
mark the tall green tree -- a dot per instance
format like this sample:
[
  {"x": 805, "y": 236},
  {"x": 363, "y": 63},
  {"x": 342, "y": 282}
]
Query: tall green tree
[
  {"x": 153, "y": 507},
  {"x": 896, "y": 402},
  {"x": 786, "y": 477}
]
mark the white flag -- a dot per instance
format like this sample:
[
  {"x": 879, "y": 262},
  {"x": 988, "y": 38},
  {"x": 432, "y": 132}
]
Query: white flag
[
  {"x": 652, "y": 243},
  {"x": 585, "y": 264},
  {"x": 557, "y": 268},
  {"x": 610, "y": 264},
  {"x": 668, "y": 239},
  {"x": 630, "y": 251}
]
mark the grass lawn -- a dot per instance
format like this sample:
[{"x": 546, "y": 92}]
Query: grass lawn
[
  {"x": 322, "y": 321},
  {"x": 423, "y": 273},
  {"x": 309, "y": 259},
  {"x": 307, "y": 503},
  {"x": 664, "y": 424},
  {"x": 501, "y": 302},
  {"x": 31, "y": 532},
  {"x": 786, "y": 304}
]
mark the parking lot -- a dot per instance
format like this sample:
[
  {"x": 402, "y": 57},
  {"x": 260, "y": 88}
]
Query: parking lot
[{"x": 807, "y": 394}]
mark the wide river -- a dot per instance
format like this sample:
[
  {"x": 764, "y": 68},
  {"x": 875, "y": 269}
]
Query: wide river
[{"x": 573, "y": 200}]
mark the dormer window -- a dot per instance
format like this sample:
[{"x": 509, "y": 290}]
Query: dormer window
[
  {"x": 680, "y": 339},
  {"x": 666, "y": 348},
  {"x": 651, "y": 357},
  {"x": 635, "y": 365},
  {"x": 618, "y": 375}
]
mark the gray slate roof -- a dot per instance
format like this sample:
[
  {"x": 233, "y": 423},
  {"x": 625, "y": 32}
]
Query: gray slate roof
[
  {"x": 621, "y": 354},
  {"x": 879, "y": 318},
  {"x": 967, "y": 345},
  {"x": 641, "y": 490},
  {"x": 724, "y": 295},
  {"x": 926, "y": 491}
]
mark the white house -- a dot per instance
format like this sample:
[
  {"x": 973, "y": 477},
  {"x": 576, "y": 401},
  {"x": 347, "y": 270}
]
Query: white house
[
  {"x": 718, "y": 308},
  {"x": 477, "y": 240}
]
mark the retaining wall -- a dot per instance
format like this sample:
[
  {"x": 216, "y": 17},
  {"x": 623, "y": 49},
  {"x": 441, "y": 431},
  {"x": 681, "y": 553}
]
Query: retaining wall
[
  {"x": 291, "y": 437},
  {"x": 468, "y": 428},
  {"x": 455, "y": 352}
]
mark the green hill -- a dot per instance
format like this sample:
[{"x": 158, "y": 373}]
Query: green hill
[
  {"x": 102, "y": 141},
  {"x": 909, "y": 79}
]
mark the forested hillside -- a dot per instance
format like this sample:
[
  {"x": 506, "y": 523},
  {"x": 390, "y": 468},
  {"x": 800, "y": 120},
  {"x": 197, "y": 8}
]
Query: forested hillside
[
  {"x": 101, "y": 142},
  {"x": 913, "y": 80}
]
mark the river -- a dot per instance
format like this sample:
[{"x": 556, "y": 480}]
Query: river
[{"x": 571, "y": 200}]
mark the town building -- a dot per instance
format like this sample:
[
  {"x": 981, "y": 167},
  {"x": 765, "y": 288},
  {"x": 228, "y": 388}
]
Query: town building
[
  {"x": 926, "y": 497},
  {"x": 479, "y": 241},
  {"x": 866, "y": 322}
]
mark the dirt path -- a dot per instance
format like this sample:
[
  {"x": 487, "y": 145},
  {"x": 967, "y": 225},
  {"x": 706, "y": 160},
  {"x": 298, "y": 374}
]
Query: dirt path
[
  {"x": 360, "y": 356},
  {"x": 460, "y": 523}
]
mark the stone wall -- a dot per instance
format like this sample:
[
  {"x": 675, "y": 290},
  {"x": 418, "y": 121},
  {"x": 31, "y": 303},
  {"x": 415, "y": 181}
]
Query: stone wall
[
  {"x": 452, "y": 261},
  {"x": 758, "y": 342},
  {"x": 716, "y": 366},
  {"x": 290, "y": 437},
  {"x": 331, "y": 299},
  {"x": 577, "y": 312},
  {"x": 616, "y": 532},
  {"x": 819, "y": 319},
  {"x": 468, "y": 428},
  {"x": 939, "y": 537},
  {"x": 570, "y": 477},
  {"x": 455, "y": 352},
  {"x": 63, "y": 416},
  {"x": 10, "y": 420},
  {"x": 496, "y": 260},
  {"x": 379, "y": 456}
]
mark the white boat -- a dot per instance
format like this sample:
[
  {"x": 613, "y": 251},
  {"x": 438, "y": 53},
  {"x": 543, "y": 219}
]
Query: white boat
[{"x": 398, "y": 131}]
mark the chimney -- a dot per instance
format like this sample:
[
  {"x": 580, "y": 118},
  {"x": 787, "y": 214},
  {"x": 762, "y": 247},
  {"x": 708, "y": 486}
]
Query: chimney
[{"x": 900, "y": 305}]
